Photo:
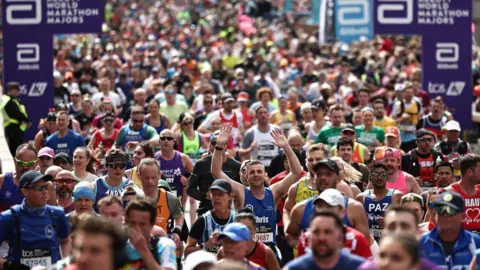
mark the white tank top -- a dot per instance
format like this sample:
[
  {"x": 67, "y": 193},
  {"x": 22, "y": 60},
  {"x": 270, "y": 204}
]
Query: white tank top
[{"x": 265, "y": 150}]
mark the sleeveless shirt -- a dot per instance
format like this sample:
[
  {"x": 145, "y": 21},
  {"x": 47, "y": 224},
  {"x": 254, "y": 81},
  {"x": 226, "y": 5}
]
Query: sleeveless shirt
[
  {"x": 304, "y": 192},
  {"x": 471, "y": 220},
  {"x": 102, "y": 189},
  {"x": 173, "y": 171},
  {"x": 211, "y": 226},
  {"x": 376, "y": 209},
  {"x": 107, "y": 142},
  {"x": 10, "y": 193},
  {"x": 265, "y": 215},
  {"x": 400, "y": 184},
  {"x": 258, "y": 254},
  {"x": 310, "y": 209},
  {"x": 164, "y": 219},
  {"x": 266, "y": 150}
]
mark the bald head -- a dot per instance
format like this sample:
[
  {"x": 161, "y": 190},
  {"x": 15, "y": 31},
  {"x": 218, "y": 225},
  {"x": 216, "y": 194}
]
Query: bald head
[
  {"x": 295, "y": 140},
  {"x": 53, "y": 170},
  {"x": 65, "y": 174}
]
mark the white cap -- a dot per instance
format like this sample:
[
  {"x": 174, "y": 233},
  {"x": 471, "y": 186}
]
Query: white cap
[
  {"x": 399, "y": 87},
  {"x": 198, "y": 257},
  {"x": 453, "y": 125},
  {"x": 332, "y": 197}
]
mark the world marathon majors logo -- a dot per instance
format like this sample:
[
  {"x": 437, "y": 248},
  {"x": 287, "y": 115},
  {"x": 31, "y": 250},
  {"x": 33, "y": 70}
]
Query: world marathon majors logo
[
  {"x": 454, "y": 89},
  {"x": 352, "y": 16}
]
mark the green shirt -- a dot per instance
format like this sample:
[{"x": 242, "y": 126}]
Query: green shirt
[
  {"x": 329, "y": 135},
  {"x": 368, "y": 138},
  {"x": 173, "y": 112}
]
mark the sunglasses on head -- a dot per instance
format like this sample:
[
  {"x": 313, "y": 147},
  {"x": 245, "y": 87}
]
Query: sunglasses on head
[
  {"x": 26, "y": 163},
  {"x": 166, "y": 138},
  {"x": 39, "y": 188},
  {"x": 117, "y": 165},
  {"x": 445, "y": 209}
]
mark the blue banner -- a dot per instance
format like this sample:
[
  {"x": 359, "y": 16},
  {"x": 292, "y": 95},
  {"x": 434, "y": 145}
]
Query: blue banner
[
  {"x": 446, "y": 46},
  {"x": 28, "y": 29},
  {"x": 353, "y": 19}
]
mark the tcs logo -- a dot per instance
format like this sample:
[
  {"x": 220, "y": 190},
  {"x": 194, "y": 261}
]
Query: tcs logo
[
  {"x": 405, "y": 7},
  {"x": 353, "y": 12},
  {"x": 23, "y": 12}
]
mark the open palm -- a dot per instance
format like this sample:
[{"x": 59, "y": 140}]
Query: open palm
[
  {"x": 279, "y": 138},
  {"x": 224, "y": 134}
]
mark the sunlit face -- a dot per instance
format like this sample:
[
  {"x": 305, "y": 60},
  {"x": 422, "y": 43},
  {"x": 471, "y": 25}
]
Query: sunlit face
[
  {"x": 62, "y": 121},
  {"x": 379, "y": 110},
  {"x": 400, "y": 222},
  {"x": 307, "y": 115},
  {"x": 137, "y": 120},
  {"x": 444, "y": 176},
  {"x": 153, "y": 107},
  {"x": 325, "y": 237},
  {"x": 392, "y": 164},
  {"x": 220, "y": 200},
  {"x": 313, "y": 158},
  {"x": 324, "y": 178},
  {"x": 113, "y": 212},
  {"x": 167, "y": 140},
  {"x": 256, "y": 175},
  {"x": 345, "y": 152},
  {"x": 416, "y": 207},
  {"x": 80, "y": 159},
  {"x": 337, "y": 117},
  {"x": 368, "y": 117},
  {"x": 363, "y": 98},
  {"x": 357, "y": 118},
  {"x": 25, "y": 161},
  {"x": 138, "y": 155},
  {"x": 296, "y": 143},
  {"x": 262, "y": 115},
  {"x": 92, "y": 251},
  {"x": 83, "y": 205},
  {"x": 36, "y": 194},
  {"x": 149, "y": 176},
  {"x": 378, "y": 177}
]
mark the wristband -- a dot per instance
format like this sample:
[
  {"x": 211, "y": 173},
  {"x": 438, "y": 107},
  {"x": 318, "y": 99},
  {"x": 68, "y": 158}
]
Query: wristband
[
  {"x": 177, "y": 230},
  {"x": 218, "y": 148}
]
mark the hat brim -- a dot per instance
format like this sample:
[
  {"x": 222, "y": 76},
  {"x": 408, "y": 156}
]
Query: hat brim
[
  {"x": 447, "y": 203},
  {"x": 348, "y": 129},
  {"x": 391, "y": 134},
  {"x": 218, "y": 188},
  {"x": 232, "y": 236},
  {"x": 229, "y": 99},
  {"x": 62, "y": 158},
  {"x": 455, "y": 129},
  {"x": 318, "y": 165},
  {"x": 45, "y": 177},
  {"x": 242, "y": 100},
  {"x": 46, "y": 155},
  {"x": 318, "y": 199}
]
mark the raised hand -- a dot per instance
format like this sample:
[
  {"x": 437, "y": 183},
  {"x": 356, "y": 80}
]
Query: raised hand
[
  {"x": 279, "y": 138},
  {"x": 224, "y": 135}
]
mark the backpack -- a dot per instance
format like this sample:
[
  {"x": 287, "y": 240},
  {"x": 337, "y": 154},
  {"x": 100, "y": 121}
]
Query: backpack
[
  {"x": 402, "y": 107},
  {"x": 414, "y": 167}
]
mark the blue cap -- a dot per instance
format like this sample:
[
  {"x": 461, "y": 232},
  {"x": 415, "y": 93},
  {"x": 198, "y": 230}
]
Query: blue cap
[
  {"x": 236, "y": 231},
  {"x": 83, "y": 192},
  {"x": 452, "y": 199},
  {"x": 32, "y": 177}
]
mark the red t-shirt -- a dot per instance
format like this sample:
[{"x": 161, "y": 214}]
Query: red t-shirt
[
  {"x": 355, "y": 242},
  {"x": 281, "y": 204}
]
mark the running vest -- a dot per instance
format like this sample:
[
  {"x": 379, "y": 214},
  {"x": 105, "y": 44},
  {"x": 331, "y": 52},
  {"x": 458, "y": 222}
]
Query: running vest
[
  {"x": 246, "y": 117},
  {"x": 172, "y": 170},
  {"x": 159, "y": 128},
  {"x": 285, "y": 122},
  {"x": 164, "y": 218},
  {"x": 400, "y": 184},
  {"x": 102, "y": 189},
  {"x": 427, "y": 170},
  {"x": 358, "y": 155},
  {"x": 10, "y": 193},
  {"x": 265, "y": 215},
  {"x": 471, "y": 221},
  {"x": 211, "y": 226},
  {"x": 190, "y": 147},
  {"x": 435, "y": 128},
  {"x": 310, "y": 209},
  {"x": 304, "y": 192},
  {"x": 266, "y": 150},
  {"x": 107, "y": 142},
  {"x": 376, "y": 209},
  {"x": 130, "y": 135},
  {"x": 258, "y": 254},
  {"x": 135, "y": 178},
  {"x": 233, "y": 121}
]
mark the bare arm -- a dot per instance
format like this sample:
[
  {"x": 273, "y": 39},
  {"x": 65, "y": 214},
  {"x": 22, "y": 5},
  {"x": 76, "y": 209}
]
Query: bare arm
[
  {"x": 38, "y": 140},
  {"x": 279, "y": 189},
  {"x": 293, "y": 230},
  {"x": 65, "y": 247},
  {"x": 187, "y": 163},
  {"x": 414, "y": 187},
  {"x": 360, "y": 197},
  {"x": 92, "y": 141},
  {"x": 289, "y": 204},
  {"x": 397, "y": 197},
  {"x": 271, "y": 260},
  {"x": 191, "y": 246},
  {"x": 358, "y": 218}
]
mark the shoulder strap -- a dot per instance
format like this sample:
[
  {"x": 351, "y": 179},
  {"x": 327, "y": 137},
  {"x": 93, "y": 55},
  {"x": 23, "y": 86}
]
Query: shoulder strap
[
  {"x": 154, "y": 250},
  {"x": 16, "y": 222}
]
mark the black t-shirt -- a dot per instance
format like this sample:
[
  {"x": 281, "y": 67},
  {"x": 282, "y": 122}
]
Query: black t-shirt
[
  {"x": 448, "y": 247},
  {"x": 84, "y": 120},
  {"x": 201, "y": 179},
  {"x": 199, "y": 226}
]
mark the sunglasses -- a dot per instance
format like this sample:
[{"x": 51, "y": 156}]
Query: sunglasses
[
  {"x": 166, "y": 138},
  {"x": 108, "y": 121},
  {"x": 39, "y": 188},
  {"x": 187, "y": 123},
  {"x": 137, "y": 121},
  {"x": 21, "y": 163},
  {"x": 426, "y": 140},
  {"x": 65, "y": 181},
  {"x": 117, "y": 165},
  {"x": 348, "y": 132},
  {"x": 378, "y": 175},
  {"x": 445, "y": 209}
]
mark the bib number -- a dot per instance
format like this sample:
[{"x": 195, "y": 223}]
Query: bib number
[
  {"x": 264, "y": 237},
  {"x": 36, "y": 257}
]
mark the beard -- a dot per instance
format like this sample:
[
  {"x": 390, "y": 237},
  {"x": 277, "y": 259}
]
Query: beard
[
  {"x": 326, "y": 254},
  {"x": 64, "y": 192}
]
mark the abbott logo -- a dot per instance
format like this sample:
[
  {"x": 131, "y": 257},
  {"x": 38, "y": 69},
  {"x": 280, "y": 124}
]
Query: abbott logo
[
  {"x": 454, "y": 89},
  {"x": 22, "y": 6},
  {"x": 405, "y": 6},
  {"x": 447, "y": 55},
  {"x": 28, "y": 56},
  {"x": 353, "y": 12}
]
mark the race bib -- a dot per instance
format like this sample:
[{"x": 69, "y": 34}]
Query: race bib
[
  {"x": 266, "y": 151},
  {"x": 264, "y": 237},
  {"x": 36, "y": 257},
  {"x": 406, "y": 127}
]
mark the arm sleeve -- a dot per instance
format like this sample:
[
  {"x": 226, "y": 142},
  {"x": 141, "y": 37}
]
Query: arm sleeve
[
  {"x": 381, "y": 135},
  {"x": 197, "y": 229},
  {"x": 248, "y": 139},
  {"x": 14, "y": 112},
  {"x": 81, "y": 140},
  {"x": 174, "y": 205},
  {"x": 193, "y": 183}
]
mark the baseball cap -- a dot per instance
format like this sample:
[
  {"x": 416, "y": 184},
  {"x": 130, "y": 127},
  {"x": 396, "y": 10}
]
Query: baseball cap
[
  {"x": 392, "y": 131},
  {"x": 13, "y": 85},
  {"x": 51, "y": 116},
  {"x": 32, "y": 177},
  {"x": 392, "y": 152},
  {"x": 197, "y": 258},
  {"x": 68, "y": 75},
  {"x": 453, "y": 125},
  {"x": 108, "y": 114},
  {"x": 227, "y": 97},
  {"x": 242, "y": 97},
  {"x": 318, "y": 104},
  {"x": 236, "y": 231},
  {"x": 46, "y": 152},
  {"x": 399, "y": 87},
  {"x": 222, "y": 185},
  {"x": 452, "y": 199},
  {"x": 63, "y": 156},
  {"x": 164, "y": 184},
  {"x": 348, "y": 127},
  {"x": 329, "y": 163},
  {"x": 332, "y": 197}
]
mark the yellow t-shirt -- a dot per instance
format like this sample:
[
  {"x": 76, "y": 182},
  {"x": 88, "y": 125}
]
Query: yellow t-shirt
[{"x": 385, "y": 123}]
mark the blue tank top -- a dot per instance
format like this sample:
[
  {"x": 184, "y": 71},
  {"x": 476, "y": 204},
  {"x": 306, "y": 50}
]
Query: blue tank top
[
  {"x": 376, "y": 209},
  {"x": 10, "y": 193},
  {"x": 265, "y": 215},
  {"x": 130, "y": 135},
  {"x": 102, "y": 189},
  {"x": 172, "y": 170},
  {"x": 162, "y": 124},
  {"x": 310, "y": 208},
  {"x": 211, "y": 226}
]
